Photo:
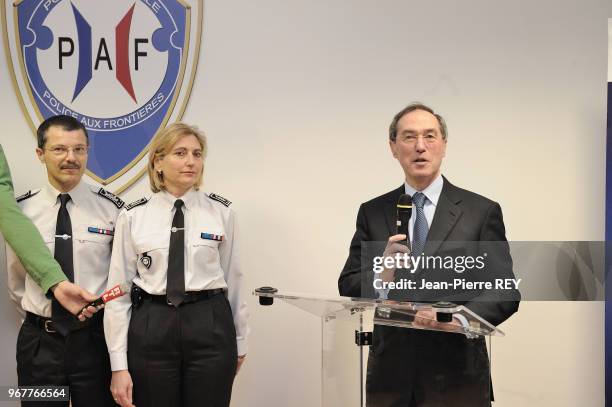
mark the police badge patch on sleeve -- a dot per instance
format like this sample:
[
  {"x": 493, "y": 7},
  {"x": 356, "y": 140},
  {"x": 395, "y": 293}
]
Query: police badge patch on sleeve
[
  {"x": 219, "y": 198},
  {"x": 146, "y": 260}
]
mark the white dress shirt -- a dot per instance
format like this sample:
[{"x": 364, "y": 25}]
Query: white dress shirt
[
  {"x": 92, "y": 215},
  {"x": 140, "y": 255}
]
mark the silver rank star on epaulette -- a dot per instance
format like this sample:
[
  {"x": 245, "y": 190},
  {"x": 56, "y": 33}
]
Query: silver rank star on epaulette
[
  {"x": 134, "y": 204},
  {"x": 27, "y": 195},
  {"x": 111, "y": 197},
  {"x": 219, "y": 198}
]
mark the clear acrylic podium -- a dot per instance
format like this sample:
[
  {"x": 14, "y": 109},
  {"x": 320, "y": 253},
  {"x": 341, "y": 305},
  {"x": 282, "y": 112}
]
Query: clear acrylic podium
[{"x": 347, "y": 325}]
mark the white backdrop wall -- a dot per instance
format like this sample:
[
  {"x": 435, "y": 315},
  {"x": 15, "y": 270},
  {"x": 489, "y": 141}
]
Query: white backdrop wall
[{"x": 296, "y": 98}]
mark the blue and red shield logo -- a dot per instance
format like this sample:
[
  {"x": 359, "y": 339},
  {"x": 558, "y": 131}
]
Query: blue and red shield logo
[{"x": 124, "y": 68}]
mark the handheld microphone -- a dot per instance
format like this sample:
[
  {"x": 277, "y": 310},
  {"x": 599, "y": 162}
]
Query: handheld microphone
[
  {"x": 117, "y": 291},
  {"x": 404, "y": 211}
]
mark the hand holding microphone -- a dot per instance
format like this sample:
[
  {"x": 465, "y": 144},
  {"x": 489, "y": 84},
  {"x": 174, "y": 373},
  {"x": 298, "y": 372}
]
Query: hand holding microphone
[
  {"x": 404, "y": 211},
  {"x": 115, "y": 292},
  {"x": 394, "y": 246},
  {"x": 399, "y": 243}
]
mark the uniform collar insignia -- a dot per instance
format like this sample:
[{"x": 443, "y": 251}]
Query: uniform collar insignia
[
  {"x": 134, "y": 204},
  {"x": 220, "y": 199},
  {"x": 27, "y": 195},
  {"x": 111, "y": 197}
]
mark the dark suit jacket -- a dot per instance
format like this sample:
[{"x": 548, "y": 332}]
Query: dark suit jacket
[{"x": 460, "y": 216}]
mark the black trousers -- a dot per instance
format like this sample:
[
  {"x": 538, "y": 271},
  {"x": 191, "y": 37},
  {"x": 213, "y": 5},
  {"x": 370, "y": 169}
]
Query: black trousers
[
  {"x": 410, "y": 368},
  {"x": 79, "y": 360},
  {"x": 183, "y": 357}
]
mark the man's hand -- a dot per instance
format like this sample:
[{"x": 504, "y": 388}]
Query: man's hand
[
  {"x": 427, "y": 319},
  {"x": 392, "y": 248},
  {"x": 74, "y": 298},
  {"x": 241, "y": 359},
  {"x": 121, "y": 388}
]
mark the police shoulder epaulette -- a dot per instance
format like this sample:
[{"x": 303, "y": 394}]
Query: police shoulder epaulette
[
  {"x": 134, "y": 204},
  {"x": 219, "y": 198},
  {"x": 27, "y": 195},
  {"x": 118, "y": 202}
]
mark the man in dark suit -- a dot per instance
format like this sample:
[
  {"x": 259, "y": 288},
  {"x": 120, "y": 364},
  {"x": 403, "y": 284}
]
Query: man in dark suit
[{"x": 408, "y": 367}]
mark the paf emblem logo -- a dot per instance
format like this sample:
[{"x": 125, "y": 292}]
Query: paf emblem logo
[{"x": 123, "y": 68}]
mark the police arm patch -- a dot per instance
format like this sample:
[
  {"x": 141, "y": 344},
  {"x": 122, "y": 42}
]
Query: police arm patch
[
  {"x": 111, "y": 197},
  {"x": 134, "y": 204},
  {"x": 27, "y": 195},
  {"x": 219, "y": 198}
]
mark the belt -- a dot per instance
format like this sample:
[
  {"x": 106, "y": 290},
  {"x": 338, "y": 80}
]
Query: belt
[
  {"x": 189, "y": 297},
  {"x": 47, "y": 324}
]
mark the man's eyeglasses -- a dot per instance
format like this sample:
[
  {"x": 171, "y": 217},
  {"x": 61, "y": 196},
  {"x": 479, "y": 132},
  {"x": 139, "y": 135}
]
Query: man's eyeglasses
[{"x": 60, "y": 151}]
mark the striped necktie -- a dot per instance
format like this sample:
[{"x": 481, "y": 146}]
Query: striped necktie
[{"x": 420, "y": 225}]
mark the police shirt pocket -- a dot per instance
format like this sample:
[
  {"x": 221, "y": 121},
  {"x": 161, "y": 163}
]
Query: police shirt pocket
[
  {"x": 151, "y": 249},
  {"x": 92, "y": 253},
  {"x": 209, "y": 238},
  {"x": 205, "y": 243},
  {"x": 148, "y": 243},
  {"x": 49, "y": 238},
  {"x": 48, "y": 235}
]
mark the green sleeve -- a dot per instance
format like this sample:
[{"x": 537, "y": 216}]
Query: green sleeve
[{"x": 21, "y": 234}]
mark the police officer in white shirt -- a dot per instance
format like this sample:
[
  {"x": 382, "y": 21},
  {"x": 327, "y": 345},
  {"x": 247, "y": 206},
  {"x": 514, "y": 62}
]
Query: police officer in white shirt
[
  {"x": 182, "y": 336},
  {"x": 77, "y": 222}
]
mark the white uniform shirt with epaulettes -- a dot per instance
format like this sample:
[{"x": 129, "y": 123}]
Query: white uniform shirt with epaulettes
[
  {"x": 93, "y": 213},
  {"x": 140, "y": 255}
]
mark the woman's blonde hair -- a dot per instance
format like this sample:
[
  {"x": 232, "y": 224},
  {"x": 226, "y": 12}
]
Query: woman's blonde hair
[{"x": 162, "y": 144}]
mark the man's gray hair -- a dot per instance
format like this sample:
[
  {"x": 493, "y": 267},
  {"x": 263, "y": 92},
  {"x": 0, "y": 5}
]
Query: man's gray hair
[{"x": 411, "y": 108}]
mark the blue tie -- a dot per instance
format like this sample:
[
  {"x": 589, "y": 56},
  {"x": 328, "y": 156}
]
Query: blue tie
[{"x": 420, "y": 225}]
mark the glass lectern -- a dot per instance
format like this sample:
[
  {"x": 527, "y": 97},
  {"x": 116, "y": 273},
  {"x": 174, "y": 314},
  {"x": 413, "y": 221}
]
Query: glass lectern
[{"x": 347, "y": 327}]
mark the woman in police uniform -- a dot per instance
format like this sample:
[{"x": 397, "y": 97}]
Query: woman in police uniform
[{"x": 181, "y": 337}]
